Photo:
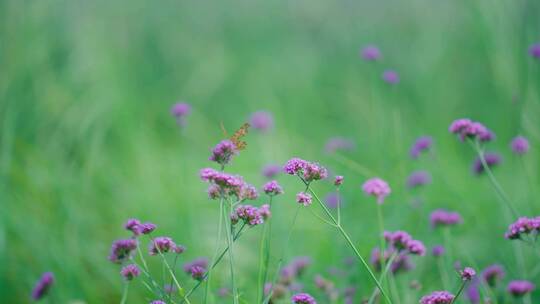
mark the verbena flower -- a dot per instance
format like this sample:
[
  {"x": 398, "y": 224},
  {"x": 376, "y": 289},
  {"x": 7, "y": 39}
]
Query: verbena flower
[
  {"x": 131, "y": 271},
  {"x": 178, "y": 249},
  {"x": 523, "y": 226},
  {"x": 534, "y": 50},
  {"x": 492, "y": 159},
  {"x": 223, "y": 152},
  {"x": 270, "y": 171},
  {"x": 199, "y": 262},
  {"x": 438, "y": 297},
  {"x": 307, "y": 170},
  {"x": 147, "y": 228},
  {"x": 157, "y": 302},
  {"x": 418, "y": 178},
  {"x": 262, "y": 120},
  {"x": 371, "y": 53},
  {"x": 492, "y": 274},
  {"x": 519, "y": 145},
  {"x": 421, "y": 144},
  {"x": 133, "y": 226},
  {"x": 437, "y": 250},
  {"x": 520, "y": 288},
  {"x": 272, "y": 188},
  {"x": 264, "y": 211},
  {"x": 295, "y": 166},
  {"x": 181, "y": 111},
  {"x": 332, "y": 200},
  {"x": 473, "y": 293},
  {"x": 121, "y": 250},
  {"x": 401, "y": 263},
  {"x": 467, "y": 274},
  {"x": 338, "y": 181},
  {"x": 402, "y": 241},
  {"x": 248, "y": 192},
  {"x": 43, "y": 286},
  {"x": 390, "y": 76},
  {"x": 223, "y": 184},
  {"x": 467, "y": 128},
  {"x": 249, "y": 214},
  {"x": 304, "y": 198},
  {"x": 303, "y": 298},
  {"x": 335, "y": 144},
  {"x": 161, "y": 244},
  {"x": 376, "y": 187},
  {"x": 197, "y": 272},
  {"x": 442, "y": 217}
]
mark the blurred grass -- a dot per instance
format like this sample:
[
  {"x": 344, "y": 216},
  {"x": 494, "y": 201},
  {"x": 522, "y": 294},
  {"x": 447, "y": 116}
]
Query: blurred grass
[{"x": 87, "y": 140}]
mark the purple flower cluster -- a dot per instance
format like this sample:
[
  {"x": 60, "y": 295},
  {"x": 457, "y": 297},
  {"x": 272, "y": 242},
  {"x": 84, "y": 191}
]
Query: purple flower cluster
[
  {"x": 196, "y": 268},
  {"x": 43, "y": 286},
  {"x": 138, "y": 228},
  {"x": 303, "y": 298},
  {"x": 467, "y": 128},
  {"x": 376, "y": 187},
  {"x": 309, "y": 171},
  {"x": 519, "y": 145},
  {"x": 520, "y": 288},
  {"x": 467, "y": 274},
  {"x": 492, "y": 159},
  {"x": 438, "y": 297},
  {"x": 262, "y": 120},
  {"x": 157, "y": 302},
  {"x": 225, "y": 184},
  {"x": 442, "y": 217},
  {"x": 294, "y": 269},
  {"x": 332, "y": 200},
  {"x": 338, "y": 181},
  {"x": 131, "y": 271},
  {"x": 223, "y": 152},
  {"x": 272, "y": 188},
  {"x": 437, "y": 250},
  {"x": 335, "y": 144},
  {"x": 418, "y": 178},
  {"x": 421, "y": 144},
  {"x": 390, "y": 77},
  {"x": 250, "y": 215},
  {"x": 492, "y": 274},
  {"x": 523, "y": 226},
  {"x": 402, "y": 241},
  {"x": 163, "y": 244},
  {"x": 534, "y": 50},
  {"x": 401, "y": 263},
  {"x": 371, "y": 53},
  {"x": 304, "y": 198},
  {"x": 121, "y": 250},
  {"x": 270, "y": 171},
  {"x": 180, "y": 111}
]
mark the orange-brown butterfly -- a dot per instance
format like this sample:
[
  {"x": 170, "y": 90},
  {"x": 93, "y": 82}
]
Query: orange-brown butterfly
[{"x": 236, "y": 138}]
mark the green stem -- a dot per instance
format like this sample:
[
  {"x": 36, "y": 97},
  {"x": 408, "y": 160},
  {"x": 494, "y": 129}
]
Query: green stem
[
  {"x": 338, "y": 206},
  {"x": 264, "y": 255},
  {"x": 218, "y": 241},
  {"x": 459, "y": 292},
  {"x": 228, "y": 231},
  {"x": 382, "y": 241},
  {"x": 125, "y": 293},
  {"x": 383, "y": 274}
]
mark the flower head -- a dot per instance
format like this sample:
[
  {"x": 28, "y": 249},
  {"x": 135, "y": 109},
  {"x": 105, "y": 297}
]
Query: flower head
[
  {"x": 442, "y": 217},
  {"x": 534, "y": 50},
  {"x": 467, "y": 274},
  {"x": 437, "y": 250},
  {"x": 421, "y": 144},
  {"x": 270, "y": 171},
  {"x": 161, "y": 244},
  {"x": 418, "y": 178},
  {"x": 338, "y": 180},
  {"x": 520, "y": 288},
  {"x": 492, "y": 159},
  {"x": 391, "y": 77},
  {"x": 157, "y": 302},
  {"x": 248, "y": 192},
  {"x": 264, "y": 211},
  {"x": 376, "y": 187},
  {"x": 295, "y": 166},
  {"x": 519, "y": 145},
  {"x": 223, "y": 152},
  {"x": 402, "y": 241},
  {"x": 197, "y": 272},
  {"x": 43, "y": 286},
  {"x": 121, "y": 250},
  {"x": 303, "y": 298},
  {"x": 180, "y": 109},
  {"x": 133, "y": 226},
  {"x": 147, "y": 228},
  {"x": 131, "y": 271},
  {"x": 332, "y": 200},
  {"x": 523, "y": 226},
  {"x": 249, "y": 214},
  {"x": 307, "y": 170},
  {"x": 304, "y": 198},
  {"x": 467, "y": 128},
  {"x": 438, "y": 297},
  {"x": 371, "y": 53},
  {"x": 492, "y": 274},
  {"x": 262, "y": 120},
  {"x": 335, "y": 144},
  {"x": 272, "y": 188},
  {"x": 199, "y": 262}
]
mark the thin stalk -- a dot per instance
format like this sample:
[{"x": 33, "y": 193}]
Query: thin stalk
[
  {"x": 382, "y": 241},
  {"x": 383, "y": 274},
  {"x": 146, "y": 272},
  {"x": 264, "y": 255},
  {"x": 447, "y": 236},
  {"x": 174, "y": 273},
  {"x": 125, "y": 293},
  {"x": 338, "y": 206},
  {"x": 459, "y": 292},
  {"x": 351, "y": 244},
  {"x": 228, "y": 231},
  {"x": 443, "y": 273},
  {"x": 218, "y": 241}
]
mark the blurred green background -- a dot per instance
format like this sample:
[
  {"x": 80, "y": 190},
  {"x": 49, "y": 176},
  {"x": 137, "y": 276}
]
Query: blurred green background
[{"x": 87, "y": 139}]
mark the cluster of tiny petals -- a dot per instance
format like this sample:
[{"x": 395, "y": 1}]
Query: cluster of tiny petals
[
  {"x": 251, "y": 215},
  {"x": 492, "y": 159},
  {"x": 248, "y": 192},
  {"x": 520, "y": 288},
  {"x": 401, "y": 240},
  {"x": 304, "y": 198},
  {"x": 377, "y": 187},
  {"x": 264, "y": 211},
  {"x": 437, "y": 250},
  {"x": 401, "y": 262},
  {"x": 422, "y": 144},
  {"x": 131, "y": 271},
  {"x": 197, "y": 272},
  {"x": 442, "y": 217},
  {"x": 262, "y": 120},
  {"x": 391, "y": 77},
  {"x": 303, "y": 298},
  {"x": 338, "y": 181},
  {"x": 198, "y": 262},
  {"x": 438, "y": 297},
  {"x": 371, "y": 53},
  {"x": 226, "y": 184},
  {"x": 492, "y": 274},
  {"x": 467, "y": 128},
  {"x": 223, "y": 152},
  {"x": 418, "y": 178},
  {"x": 307, "y": 170},
  {"x": 43, "y": 286},
  {"x": 121, "y": 250},
  {"x": 180, "y": 109},
  {"x": 161, "y": 244},
  {"x": 467, "y": 274},
  {"x": 519, "y": 145},
  {"x": 138, "y": 228},
  {"x": 272, "y": 188},
  {"x": 523, "y": 226},
  {"x": 294, "y": 166}
]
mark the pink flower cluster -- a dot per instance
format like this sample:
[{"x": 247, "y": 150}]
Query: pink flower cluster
[
  {"x": 376, "y": 187},
  {"x": 223, "y": 184},
  {"x": 138, "y": 228},
  {"x": 309, "y": 171},
  {"x": 438, "y": 297},
  {"x": 402, "y": 241},
  {"x": 467, "y": 128},
  {"x": 163, "y": 244},
  {"x": 251, "y": 215},
  {"x": 442, "y": 217},
  {"x": 523, "y": 226},
  {"x": 272, "y": 188},
  {"x": 223, "y": 152}
]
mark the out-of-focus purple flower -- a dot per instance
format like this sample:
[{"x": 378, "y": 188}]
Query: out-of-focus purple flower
[
  {"x": 270, "y": 171},
  {"x": 335, "y": 144},
  {"x": 300, "y": 264},
  {"x": 376, "y": 187},
  {"x": 437, "y": 250},
  {"x": 467, "y": 274},
  {"x": 338, "y": 181},
  {"x": 262, "y": 120},
  {"x": 226, "y": 184},
  {"x": 272, "y": 188},
  {"x": 248, "y": 192},
  {"x": 467, "y": 128},
  {"x": 492, "y": 274},
  {"x": 161, "y": 244},
  {"x": 157, "y": 302},
  {"x": 43, "y": 286},
  {"x": 197, "y": 272},
  {"x": 534, "y": 50},
  {"x": 442, "y": 217},
  {"x": 332, "y": 200},
  {"x": 223, "y": 152},
  {"x": 401, "y": 263},
  {"x": 224, "y": 292},
  {"x": 492, "y": 159},
  {"x": 249, "y": 214},
  {"x": 473, "y": 293},
  {"x": 304, "y": 198},
  {"x": 421, "y": 144},
  {"x": 418, "y": 178},
  {"x": 523, "y": 226},
  {"x": 520, "y": 288},
  {"x": 390, "y": 76},
  {"x": 519, "y": 145},
  {"x": 371, "y": 53},
  {"x": 438, "y": 297},
  {"x": 181, "y": 111},
  {"x": 121, "y": 250},
  {"x": 178, "y": 249},
  {"x": 147, "y": 228},
  {"x": 295, "y": 166},
  {"x": 131, "y": 271},
  {"x": 303, "y": 298},
  {"x": 199, "y": 262},
  {"x": 278, "y": 291},
  {"x": 133, "y": 226},
  {"x": 401, "y": 240},
  {"x": 264, "y": 211}
]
